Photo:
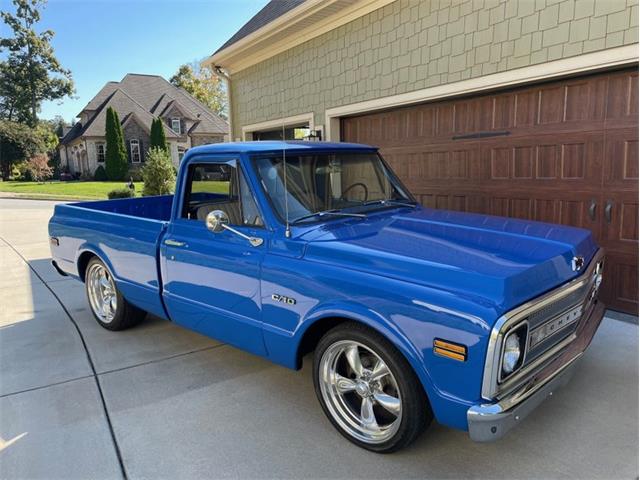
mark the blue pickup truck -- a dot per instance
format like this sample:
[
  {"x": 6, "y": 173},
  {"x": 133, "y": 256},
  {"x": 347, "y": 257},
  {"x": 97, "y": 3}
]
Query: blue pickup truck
[{"x": 287, "y": 248}]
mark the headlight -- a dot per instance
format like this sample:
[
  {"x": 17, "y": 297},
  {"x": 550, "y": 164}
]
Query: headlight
[
  {"x": 514, "y": 350},
  {"x": 511, "y": 354}
]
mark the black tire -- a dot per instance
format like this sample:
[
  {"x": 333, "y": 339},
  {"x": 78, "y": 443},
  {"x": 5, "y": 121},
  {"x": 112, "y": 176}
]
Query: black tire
[
  {"x": 416, "y": 411},
  {"x": 126, "y": 315}
]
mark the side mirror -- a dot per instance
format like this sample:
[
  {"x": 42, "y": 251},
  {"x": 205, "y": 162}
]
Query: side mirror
[{"x": 216, "y": 220}]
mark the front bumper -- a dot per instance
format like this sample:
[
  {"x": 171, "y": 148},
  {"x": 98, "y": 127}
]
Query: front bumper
[{"x": 489, "y": 422}]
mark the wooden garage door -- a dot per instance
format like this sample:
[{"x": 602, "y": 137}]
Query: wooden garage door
[{"x": 562, "y": 152}]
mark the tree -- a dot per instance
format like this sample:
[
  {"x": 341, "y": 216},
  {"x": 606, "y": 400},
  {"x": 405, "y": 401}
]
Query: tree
[
  {"x": 18, "y": 142},
  {"x": 39, "y": 167},
  {"x": 31, "y": 73},
  {"x": 158, "y": 173},
  {"x": 204, "y": 85},
  {"x": 158, "y": 138},
  {"x": 116, "y": 162}
]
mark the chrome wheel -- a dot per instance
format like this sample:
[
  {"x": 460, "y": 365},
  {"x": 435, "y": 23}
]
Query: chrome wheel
[
  {"x": 102, "y": 293},
  {"x": 360, "y": 392}
]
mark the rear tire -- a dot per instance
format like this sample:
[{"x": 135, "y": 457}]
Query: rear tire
[
  {"x": 110, "y": 309},
  {"x": 368, "y": 390}
]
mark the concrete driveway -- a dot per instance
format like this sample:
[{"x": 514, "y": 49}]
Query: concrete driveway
[{"x": 167, "y": 403}]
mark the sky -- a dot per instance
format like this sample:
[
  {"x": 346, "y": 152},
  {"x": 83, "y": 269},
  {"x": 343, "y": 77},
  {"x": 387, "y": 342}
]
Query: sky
[{"x": 102, "y": 40}]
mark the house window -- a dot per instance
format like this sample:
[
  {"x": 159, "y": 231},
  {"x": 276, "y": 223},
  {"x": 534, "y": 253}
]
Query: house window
[
  {"x": 135, "y": 151},
  {"x": 100, "y": 152},
  {"x": 175, "y": 125},
  {"x": 181, "y": 151}
]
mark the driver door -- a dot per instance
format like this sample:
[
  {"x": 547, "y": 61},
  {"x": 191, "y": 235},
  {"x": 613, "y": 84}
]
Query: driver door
[{"x": 211, "y": 280}]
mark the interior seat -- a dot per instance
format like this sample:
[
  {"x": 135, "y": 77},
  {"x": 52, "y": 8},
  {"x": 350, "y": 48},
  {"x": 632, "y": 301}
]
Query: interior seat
[{"x": 232, "y": 209}]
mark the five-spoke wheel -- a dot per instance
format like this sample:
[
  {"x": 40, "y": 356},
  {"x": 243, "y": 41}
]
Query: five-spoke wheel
[
  {"x": 109, "y": 307},
  {"x": 368, "y": 390},
  {"x": 360, "y": 391},
  {"x": 102, "y": 292}
]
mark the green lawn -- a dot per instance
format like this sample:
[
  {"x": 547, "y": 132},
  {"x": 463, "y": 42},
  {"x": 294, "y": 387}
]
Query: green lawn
[{"x": 71, "y": 190}]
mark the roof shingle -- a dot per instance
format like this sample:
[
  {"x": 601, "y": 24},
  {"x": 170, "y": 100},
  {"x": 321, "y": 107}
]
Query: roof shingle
[
  {"x": 270, "y": 12},
  {"x": 146, "y": 96}
]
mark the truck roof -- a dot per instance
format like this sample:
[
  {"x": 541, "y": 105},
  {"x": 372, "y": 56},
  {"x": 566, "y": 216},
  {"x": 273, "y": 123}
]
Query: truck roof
[{"x": 272, "y": 146}]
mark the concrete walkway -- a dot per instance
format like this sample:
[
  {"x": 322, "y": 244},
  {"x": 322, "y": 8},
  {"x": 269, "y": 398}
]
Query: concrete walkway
[{"x": 158, "y": 401}]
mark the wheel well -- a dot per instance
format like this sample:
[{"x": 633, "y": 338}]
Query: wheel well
[
  {"x": 83, "y": 261},
  {"x": 314, "y": 333}
]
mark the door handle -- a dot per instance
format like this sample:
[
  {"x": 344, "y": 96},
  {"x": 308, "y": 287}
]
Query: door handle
[
  {"x": 607, "y": 210},
  {"x": 592, "y": 209},
  {"x": 174, "y": 243}
]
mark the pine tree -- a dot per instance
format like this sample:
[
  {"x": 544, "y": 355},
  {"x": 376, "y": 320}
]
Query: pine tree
[
  {"x": 158, "y": 173},
  {"x": 116, "y": 155},
  {"x": 158, "y": 138}
]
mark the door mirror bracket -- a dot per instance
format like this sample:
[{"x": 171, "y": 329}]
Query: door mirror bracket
[{"x": 218, "y": 221}]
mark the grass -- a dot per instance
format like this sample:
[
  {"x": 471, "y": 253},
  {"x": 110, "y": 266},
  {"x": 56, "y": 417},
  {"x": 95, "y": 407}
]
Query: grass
[
  {"x": 65, "y": 190},
  {"x": 79, "y": 190}
]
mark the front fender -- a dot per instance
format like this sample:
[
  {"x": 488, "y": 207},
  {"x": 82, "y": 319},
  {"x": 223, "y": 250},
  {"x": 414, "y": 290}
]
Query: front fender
[{"x": 448, "y": 408}]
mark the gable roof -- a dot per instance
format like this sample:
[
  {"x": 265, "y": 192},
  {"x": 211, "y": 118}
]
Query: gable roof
[
  {"x": 146, "y": 96},
  {"x": 271, "y": 11}
]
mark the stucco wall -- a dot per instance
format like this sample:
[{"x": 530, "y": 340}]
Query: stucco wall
[{"x": 410, "y": 45}]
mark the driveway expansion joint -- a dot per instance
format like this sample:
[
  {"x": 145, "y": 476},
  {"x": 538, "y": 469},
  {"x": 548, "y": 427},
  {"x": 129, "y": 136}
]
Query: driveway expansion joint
[{"x": 89, "y": 360}]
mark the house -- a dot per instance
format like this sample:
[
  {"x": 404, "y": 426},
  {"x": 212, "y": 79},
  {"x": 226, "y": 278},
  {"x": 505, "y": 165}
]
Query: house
[
  {"x": 138, "y": 99},
  {"x": 510, "y": 107}
]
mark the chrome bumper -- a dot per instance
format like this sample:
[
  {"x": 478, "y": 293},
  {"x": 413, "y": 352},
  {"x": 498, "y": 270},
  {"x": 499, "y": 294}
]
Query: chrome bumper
[{"x": 489, "y": 422}]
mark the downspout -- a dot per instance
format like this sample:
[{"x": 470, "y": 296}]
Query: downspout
[{"x": 224, "y": 76}]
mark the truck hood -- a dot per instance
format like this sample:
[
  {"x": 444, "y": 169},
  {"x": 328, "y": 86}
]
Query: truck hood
[{"x": 503, "y": 260}]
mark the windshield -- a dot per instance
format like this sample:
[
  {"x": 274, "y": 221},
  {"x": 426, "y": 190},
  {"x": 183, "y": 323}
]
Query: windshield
[{"x": 354, "y": 182}]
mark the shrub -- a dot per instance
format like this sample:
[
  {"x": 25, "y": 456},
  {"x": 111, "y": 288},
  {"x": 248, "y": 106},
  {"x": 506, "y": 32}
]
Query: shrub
[
  {"x": 100, "y": 175},
  {"x": 158, "y": 173},
  {"x": 39, "y": 167},
  {"x": 124, "y": 192}
]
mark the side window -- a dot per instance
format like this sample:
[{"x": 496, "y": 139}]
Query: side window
[{"x": 219, "y": 186}]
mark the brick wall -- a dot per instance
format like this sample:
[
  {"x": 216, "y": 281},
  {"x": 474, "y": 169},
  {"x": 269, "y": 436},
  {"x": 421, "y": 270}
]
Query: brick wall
[
  {"x": 206, "y": 139},
  {"x": 411, "y": 44},
  {"x": 134, "y": 131}
]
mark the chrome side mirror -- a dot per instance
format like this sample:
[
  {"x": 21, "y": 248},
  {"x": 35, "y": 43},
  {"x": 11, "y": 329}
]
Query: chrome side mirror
[{"x": 217, "y": 221}]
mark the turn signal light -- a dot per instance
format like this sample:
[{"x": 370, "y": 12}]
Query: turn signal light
[{"x": 450, "y": 350}]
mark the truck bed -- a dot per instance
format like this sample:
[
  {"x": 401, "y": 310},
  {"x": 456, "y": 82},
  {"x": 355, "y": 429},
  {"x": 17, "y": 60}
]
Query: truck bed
[{"x": 124, "y": 233}]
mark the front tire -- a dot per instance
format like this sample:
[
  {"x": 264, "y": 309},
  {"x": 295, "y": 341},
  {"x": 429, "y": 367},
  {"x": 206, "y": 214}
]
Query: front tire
[
  {"x": 368, "y": 390},
  {"x": 109, "y": 307}
]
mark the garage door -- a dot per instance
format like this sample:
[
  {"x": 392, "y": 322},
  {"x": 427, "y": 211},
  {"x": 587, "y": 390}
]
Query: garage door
[{"x": 562, "y": 152}]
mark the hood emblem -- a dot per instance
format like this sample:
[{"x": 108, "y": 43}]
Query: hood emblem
[{"x": 577, "y": 263}]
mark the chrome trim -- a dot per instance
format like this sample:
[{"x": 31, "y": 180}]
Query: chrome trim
[
  {"x": 520, "y": 395},
  {"x": 524, "y": 352},
  {"x": 492, "y": 367}
]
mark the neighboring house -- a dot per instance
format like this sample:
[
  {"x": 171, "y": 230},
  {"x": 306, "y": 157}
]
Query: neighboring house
[
  {"x": 138, "y": 99},
  {"x": 522, "y": 108}
]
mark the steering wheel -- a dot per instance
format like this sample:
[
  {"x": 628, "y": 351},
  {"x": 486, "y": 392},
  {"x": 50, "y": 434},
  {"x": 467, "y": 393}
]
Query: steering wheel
[{"x": 357, "y": 184}]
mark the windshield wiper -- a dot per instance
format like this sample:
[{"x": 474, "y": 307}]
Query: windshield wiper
[
  {"x": 334, "y": 213},
  {"x": 394, "y": 203}
]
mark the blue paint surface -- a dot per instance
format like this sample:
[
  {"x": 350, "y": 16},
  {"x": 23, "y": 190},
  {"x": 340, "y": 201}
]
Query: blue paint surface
[{"x": 411, "y": 274}]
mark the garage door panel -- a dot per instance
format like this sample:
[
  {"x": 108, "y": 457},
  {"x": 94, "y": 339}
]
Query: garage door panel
[
  {"x": 621, "y": 158},
  {"x": 620, "y": 283},
  {"x": 556, "y": 152},
  {"x": 622, "y": 97}
]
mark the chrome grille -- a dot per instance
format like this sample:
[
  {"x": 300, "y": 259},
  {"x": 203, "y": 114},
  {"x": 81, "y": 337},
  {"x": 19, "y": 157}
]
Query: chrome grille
[
  {"x": 550, "y": 309},
  {"x": 559, "y": 306}
]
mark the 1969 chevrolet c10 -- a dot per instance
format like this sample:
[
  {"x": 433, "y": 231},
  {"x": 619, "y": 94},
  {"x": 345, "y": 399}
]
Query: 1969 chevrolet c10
[{"x": 412, "y": 313}]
